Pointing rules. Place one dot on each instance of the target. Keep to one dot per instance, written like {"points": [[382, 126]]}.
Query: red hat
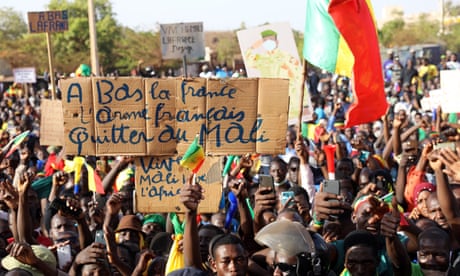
{"points": [[420, 187]]}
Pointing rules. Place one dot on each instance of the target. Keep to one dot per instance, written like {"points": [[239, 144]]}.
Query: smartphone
{"points": [[267, 181], [333, 187], [99, 238], [446, 145], [64, 254], [363, 156], [285, 196]]}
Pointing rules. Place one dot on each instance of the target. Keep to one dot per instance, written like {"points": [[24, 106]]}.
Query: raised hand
{"points": [[9, 194], [25, 180], [191, 195], [22, 252], [246, 161], [452, 163], [239, 188], [328, 204], [390, 221], [301, 149], [265, 199], [114, 204]]}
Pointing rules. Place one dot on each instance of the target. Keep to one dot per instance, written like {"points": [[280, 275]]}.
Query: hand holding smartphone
{"points": [[64, 254], [267, 182]]}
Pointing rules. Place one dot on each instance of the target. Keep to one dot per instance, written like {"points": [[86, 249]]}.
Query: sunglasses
{"points": [[284, 267]]}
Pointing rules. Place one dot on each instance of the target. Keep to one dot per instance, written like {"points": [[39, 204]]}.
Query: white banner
{"points": [[182, 39], [25, 75]]}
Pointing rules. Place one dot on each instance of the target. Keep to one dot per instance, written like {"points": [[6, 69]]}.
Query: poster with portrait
{"points": [[270, 51]]}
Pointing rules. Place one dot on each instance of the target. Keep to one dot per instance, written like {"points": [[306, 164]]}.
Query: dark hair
{"points": [[280, 161], [223, 239], [363, 238], [211, 227], [299, 191], [435, 233], [294, 160]]}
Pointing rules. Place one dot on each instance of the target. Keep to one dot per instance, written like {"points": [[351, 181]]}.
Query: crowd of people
{"points": [[387, 203]]}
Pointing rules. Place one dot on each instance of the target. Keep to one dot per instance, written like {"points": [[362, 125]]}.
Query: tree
{"points": [[12, 25], [389, 30], [72, 46]]}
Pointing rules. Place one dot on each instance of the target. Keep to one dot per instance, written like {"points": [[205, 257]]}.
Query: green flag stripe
{"points": [[321, 37]]}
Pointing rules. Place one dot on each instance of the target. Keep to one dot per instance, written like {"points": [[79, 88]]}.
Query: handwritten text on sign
{"points": [[158, 117], [159, 180], [48, 21], [182, 39]]}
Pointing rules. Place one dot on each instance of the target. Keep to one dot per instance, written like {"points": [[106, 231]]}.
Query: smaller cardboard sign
{"points": [[182, 39], [159, 180], [51, 122], [48, 21], [25, 75]]}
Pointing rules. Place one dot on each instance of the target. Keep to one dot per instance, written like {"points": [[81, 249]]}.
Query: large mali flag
{"points": [[193, 157], [324, 46], [353, 23]]}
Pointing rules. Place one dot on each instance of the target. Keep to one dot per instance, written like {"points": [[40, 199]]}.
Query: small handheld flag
{"points": [[193, 157], [17, 142]]}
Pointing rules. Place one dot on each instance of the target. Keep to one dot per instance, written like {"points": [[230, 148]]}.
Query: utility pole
{"points": [[93, 38]]}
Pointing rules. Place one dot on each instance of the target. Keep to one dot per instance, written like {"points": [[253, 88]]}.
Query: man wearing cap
{"points": [[153, 224], [272, 62], [128, 236]]}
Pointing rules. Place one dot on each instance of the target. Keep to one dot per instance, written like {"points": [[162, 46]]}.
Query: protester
{"points": [[396, 211]]}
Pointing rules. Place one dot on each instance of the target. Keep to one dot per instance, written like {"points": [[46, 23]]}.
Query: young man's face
{"points": [[361, 261], [433, 256], [230, 260]]}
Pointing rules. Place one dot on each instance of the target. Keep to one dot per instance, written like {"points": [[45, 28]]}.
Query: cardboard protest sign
{"points": [[25, 75], [48, 21], [153, 117], [275, 113], [270, 51], [182, 39], [161, 105], [159, 180], [241, 107], [191, 112], [51, 122], [78, 110], [120, 114]]}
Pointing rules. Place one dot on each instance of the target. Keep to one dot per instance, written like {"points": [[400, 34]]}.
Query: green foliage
{"points": [[12, 25], [73, 46], [389, 31]]}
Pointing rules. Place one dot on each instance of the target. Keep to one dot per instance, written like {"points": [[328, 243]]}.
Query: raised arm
{"points": [[445, 196], [24, 221], [110, 178], [395, 249], [306, 175], [190, 196]]}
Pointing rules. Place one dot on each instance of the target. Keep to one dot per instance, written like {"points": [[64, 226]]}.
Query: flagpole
{"points": [[302, 91]]}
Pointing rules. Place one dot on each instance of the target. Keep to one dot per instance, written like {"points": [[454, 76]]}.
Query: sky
{"points": [[217, 14]]}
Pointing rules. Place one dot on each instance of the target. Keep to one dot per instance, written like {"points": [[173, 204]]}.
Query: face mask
{"points": [[269, 45], [377, 133]]}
